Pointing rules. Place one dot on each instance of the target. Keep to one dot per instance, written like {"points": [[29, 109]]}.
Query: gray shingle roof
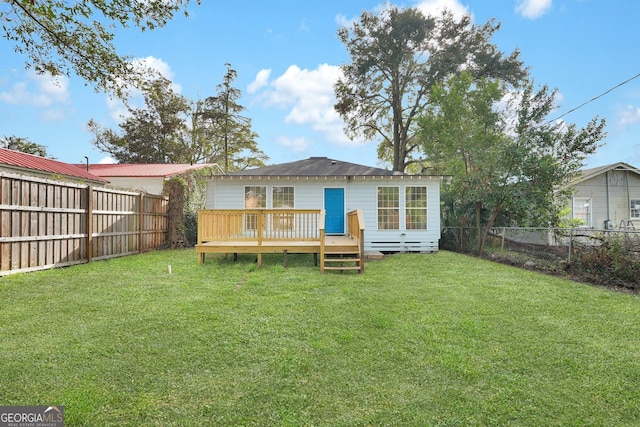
{"points": [[590, 173], [316, 166]]}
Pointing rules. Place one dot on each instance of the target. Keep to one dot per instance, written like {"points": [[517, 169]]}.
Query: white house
{"points": [[401, 212]]}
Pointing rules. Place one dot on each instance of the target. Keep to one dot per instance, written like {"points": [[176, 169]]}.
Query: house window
{"points": [[282, 198], [582, 210], [635, 208], [388, 208], [255, 197], [416, 208]]}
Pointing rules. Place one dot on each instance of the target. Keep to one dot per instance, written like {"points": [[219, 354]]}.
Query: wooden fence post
{"points": [[89, 223], [570, 246], [140, 222]]}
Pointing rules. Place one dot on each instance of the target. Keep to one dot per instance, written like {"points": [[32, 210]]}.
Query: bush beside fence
{"points": [[605, 257], [47, 223]]}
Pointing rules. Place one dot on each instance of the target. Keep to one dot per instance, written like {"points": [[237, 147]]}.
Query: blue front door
{"points": [[334, 207]]}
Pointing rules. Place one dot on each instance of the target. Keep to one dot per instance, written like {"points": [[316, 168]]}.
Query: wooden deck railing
{"points": [[259, 224], [355, 228], [277, 230]]}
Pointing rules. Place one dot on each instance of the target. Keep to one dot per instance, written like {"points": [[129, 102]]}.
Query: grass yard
{"points": [[422, 340]]}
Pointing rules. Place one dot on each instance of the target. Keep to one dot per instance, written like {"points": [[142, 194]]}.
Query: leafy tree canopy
{"points": [[396, 58], [230, 137], [153, 134], [173, 129], [507, 162], [61, 36], [24, 145]]}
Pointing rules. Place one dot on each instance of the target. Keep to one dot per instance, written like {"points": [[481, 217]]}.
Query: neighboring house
{"points": [[607, 197], [149, 178], [17, 162], [401, 212]]}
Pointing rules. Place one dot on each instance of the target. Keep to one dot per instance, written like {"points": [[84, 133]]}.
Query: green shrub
{"points": [[612, 263]]}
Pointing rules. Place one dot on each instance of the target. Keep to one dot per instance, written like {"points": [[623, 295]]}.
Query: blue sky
{"points": [[287, 54]]}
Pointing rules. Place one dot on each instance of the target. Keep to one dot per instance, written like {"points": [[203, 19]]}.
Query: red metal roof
{"points": [[143, 170], [19, 160]]}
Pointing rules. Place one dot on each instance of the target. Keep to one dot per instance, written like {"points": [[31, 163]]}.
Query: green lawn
{"points": [[439, 339]]}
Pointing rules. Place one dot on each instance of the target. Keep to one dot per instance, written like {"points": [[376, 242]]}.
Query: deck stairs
{"points": [[344, 257]]}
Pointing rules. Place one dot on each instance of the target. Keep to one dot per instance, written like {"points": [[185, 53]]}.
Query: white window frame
{"points": [[273, 196], [578, 209], [408, 208], [283, 221], [634, 208], [388, 209], [251, 220]]}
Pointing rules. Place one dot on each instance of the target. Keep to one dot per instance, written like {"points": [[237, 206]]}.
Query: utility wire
{"points": [[593, 99]]}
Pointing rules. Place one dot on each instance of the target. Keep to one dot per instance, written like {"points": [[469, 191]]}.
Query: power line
{"points": [[594, 98]]}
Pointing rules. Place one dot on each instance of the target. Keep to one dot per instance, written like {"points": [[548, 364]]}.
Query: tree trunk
{"points": [[174, 189], [478, 211], [490, 223]]}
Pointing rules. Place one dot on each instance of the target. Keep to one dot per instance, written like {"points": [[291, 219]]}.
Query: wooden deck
{"points": [[263, 231]]}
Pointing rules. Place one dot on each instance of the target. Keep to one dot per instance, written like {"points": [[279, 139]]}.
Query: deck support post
{"points": [[284, 258]]}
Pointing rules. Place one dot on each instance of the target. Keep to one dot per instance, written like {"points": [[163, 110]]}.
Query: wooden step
{"points": [[343, 253], [342, 259], [348, 258], [353, 267]]}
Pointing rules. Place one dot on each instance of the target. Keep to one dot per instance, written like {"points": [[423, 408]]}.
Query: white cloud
{"points": [[343, 21], [629, 116], [55, 88], [117, 109], [155, 65], [297, 145], [107, 161], [533, 9], [436, 7], [53, 114], [262, 79], [20, 95], [48, 91], [304, 25], [309, 97]]}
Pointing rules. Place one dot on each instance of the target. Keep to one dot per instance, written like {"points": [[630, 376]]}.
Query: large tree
{"points": [[507, 162], [396, 57], [233, 144], [60, 36], [24, 145], [152, 134], [172, 129]]}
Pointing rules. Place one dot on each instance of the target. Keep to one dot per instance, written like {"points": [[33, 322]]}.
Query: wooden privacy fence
{"points": [[46, 223]]}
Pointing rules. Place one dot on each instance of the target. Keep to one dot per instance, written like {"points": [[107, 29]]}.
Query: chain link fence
{"points": [[604, 257]]}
